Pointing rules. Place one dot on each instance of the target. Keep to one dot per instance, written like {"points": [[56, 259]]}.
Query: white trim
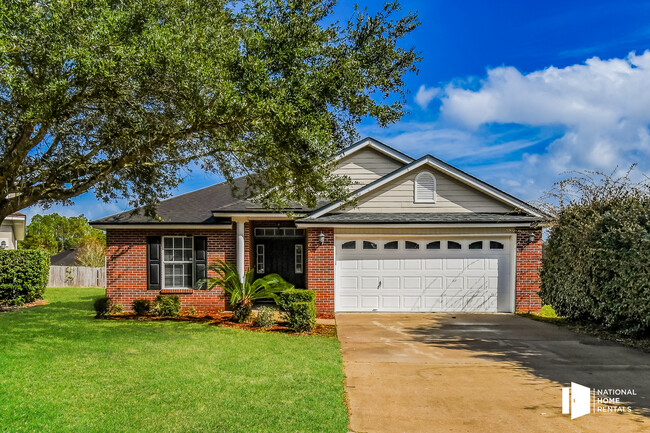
{"points": [[260, 269], [378, 146], [298, 250], [251, 216], [413, 226], [15, 218], [410, 236], [182, 262], [416, 184], [429, 160], [240, 251], [161, 226]]}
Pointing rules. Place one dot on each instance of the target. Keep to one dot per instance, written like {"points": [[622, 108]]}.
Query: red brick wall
{"points": [[126, 266], [320, 269], [529, 263]]}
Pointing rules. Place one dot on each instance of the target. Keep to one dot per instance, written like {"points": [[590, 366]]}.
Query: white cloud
{"points": [[604, 106], [425, 96]]}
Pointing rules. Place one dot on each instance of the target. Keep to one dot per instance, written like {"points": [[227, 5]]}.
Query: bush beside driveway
{"points": [[62, 370]]}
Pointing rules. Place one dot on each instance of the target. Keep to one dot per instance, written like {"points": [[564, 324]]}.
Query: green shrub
{"points": [[265, 317], [597, 265], [288, 297], [102, 306], [302, 316], [241, 312], [548, 311], [23, 275], [167, 305], [116, 308], [191, 311], [141, 307]]}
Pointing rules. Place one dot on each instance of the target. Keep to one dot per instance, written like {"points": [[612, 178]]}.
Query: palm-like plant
{"points": [[242, 293]]}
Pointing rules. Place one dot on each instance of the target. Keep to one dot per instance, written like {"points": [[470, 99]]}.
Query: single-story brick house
{"points": [[424, 236]]}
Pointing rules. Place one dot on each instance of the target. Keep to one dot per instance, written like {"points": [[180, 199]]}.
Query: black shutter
{"points": [[153, 263], [200, 258]]}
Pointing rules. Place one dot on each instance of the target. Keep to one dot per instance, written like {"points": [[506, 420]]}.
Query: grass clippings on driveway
{"points": [[63, 370]]}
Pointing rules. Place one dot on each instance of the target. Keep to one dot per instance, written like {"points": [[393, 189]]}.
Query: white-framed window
{"points": [[298, 258], [259, 263], [178, 260], [424, 189]]}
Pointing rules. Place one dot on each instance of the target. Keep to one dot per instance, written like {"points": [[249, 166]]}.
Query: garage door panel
{"points": [[369, 302], [422, 280], [391, 283], [390, 303], [412, 283]]}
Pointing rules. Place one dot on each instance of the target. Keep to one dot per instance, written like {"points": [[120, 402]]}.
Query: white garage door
{"points": [[417, 275]]}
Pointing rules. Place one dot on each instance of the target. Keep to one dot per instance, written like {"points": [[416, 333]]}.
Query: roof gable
{"points": [[447, 170]]}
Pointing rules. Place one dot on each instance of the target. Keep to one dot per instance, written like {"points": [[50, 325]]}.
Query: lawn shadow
{"points": [[545, 350]]}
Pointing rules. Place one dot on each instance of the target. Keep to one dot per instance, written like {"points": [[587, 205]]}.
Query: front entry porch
{"points": [[279, 250]]}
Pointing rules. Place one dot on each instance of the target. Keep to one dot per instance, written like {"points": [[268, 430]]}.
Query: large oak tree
{"points": [[122, 96]]}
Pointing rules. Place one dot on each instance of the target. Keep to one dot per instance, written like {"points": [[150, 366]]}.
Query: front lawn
{"points": [[63, 370]]}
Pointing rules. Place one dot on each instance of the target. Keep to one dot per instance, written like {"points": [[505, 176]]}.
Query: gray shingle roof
{"points": [[421, 218], [195, 207]]}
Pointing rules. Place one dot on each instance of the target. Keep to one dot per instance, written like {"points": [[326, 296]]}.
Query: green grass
{"points": [[62, 370]]}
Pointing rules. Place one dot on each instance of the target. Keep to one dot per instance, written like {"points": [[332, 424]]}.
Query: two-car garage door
{"points": [[416, 275]]}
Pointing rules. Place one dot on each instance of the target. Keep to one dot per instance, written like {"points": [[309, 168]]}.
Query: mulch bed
{"points": [[4, 307], [225, 319]]}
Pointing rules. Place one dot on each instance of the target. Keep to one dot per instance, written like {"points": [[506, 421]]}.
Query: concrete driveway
{"points": [[481, 373]]}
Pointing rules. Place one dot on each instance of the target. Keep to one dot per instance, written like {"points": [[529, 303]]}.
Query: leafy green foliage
{"points": [[102, 306], [301, 316], [166, 306], [141, 307], [265, 317], [287, 297], [23, 275], [242, 293], [548, 311], [91, 252], [116, 308], [57, 233], [597, 265], [122, 97]]}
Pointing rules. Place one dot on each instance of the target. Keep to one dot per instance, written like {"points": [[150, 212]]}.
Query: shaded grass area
{"points": [[593, 329], [63, 370]]}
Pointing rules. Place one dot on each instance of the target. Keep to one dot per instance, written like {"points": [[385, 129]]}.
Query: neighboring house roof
{"points": [[65, 258], [216, 204], [421, 218]]}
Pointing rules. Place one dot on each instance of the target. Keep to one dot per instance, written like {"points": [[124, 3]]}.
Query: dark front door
{"points": [[283, 256]]}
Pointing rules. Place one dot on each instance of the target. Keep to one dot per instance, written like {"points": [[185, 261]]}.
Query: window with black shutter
{"points": [[153, 263]]}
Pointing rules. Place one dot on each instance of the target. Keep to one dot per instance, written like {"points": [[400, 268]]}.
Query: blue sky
{"points": [[514, 92]]}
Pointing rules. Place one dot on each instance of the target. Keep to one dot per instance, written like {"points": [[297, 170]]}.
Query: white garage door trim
{"points": [[504, 270]]}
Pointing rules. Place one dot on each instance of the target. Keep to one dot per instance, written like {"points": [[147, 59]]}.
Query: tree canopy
{"points": [[57, 233], [122, 97]]}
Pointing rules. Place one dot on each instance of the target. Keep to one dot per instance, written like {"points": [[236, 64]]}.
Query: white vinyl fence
{"points": [[77, 276]]}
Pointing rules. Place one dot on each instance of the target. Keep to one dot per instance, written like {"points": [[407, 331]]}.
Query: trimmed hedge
{"points": [[141, 307], [23, 275], [289, 296], [597, 265], [302, 316]]}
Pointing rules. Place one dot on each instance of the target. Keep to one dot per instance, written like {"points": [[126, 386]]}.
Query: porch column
{"points": [[240, 248]]}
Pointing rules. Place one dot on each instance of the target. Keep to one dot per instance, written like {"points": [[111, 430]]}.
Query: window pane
{"points": [[435, 245], [453, 245], [168, 255], [411, 245], [178, 242], [494, 245], [169, 242], [350, 245], [187, 255], [188, 243], [178, 255], [390, 245], [367, 245], [478, 245]]}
